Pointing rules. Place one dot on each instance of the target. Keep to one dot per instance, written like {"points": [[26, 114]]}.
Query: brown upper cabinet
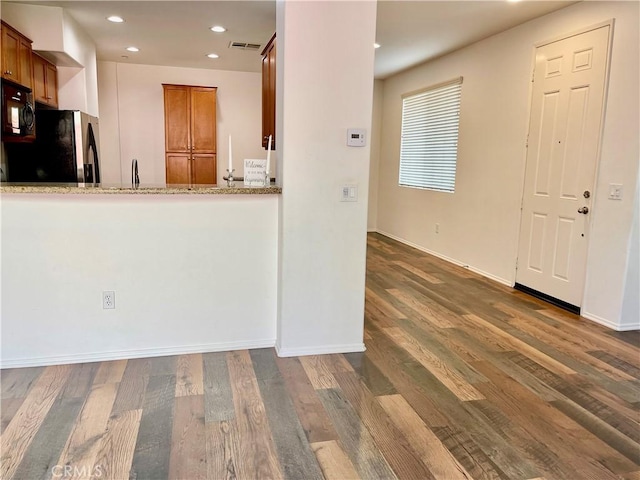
{"points": [[269, 93], [45, 81], [16, 56], [190, 134]]}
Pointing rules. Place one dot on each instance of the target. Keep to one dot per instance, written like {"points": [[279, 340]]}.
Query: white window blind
{"points": [[429, 145]]}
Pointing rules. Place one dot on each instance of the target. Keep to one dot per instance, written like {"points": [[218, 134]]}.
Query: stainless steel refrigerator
{"points": [[65, 150]]}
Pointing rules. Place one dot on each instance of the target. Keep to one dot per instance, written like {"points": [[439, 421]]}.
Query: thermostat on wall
{"points": [[355, 137]]}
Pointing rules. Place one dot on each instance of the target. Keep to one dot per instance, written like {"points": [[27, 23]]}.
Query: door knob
{"points": [[583, 210]]}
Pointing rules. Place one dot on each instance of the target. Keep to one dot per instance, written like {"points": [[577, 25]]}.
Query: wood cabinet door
{"points": [[45, 81], [177, 118], [269, 94], [178, 169], [25, 62], [52, 84], [10, 52], [39, 79], [203, 119], [204, 169]]}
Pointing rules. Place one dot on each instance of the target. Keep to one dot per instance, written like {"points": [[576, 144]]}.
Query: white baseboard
{"points": [[491, 276], [609, 324], [140, 353], [320, 350]]}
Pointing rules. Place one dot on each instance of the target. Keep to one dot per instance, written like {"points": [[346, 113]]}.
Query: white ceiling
{"points": [[412, 32], [176, 33]]}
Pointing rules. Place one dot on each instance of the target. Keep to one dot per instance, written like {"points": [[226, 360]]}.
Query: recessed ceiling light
{"points": [[213, 55], [218, 29], [115, 19], [376, 45], [133, 49]]}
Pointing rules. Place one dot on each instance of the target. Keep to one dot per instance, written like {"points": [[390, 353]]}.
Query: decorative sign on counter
{"points": [[255, 172]]}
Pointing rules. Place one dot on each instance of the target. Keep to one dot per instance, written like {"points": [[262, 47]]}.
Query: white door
{"points": [[564, 139]]}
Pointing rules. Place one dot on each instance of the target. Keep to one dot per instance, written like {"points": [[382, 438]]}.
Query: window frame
{"points": [[435, 171]]}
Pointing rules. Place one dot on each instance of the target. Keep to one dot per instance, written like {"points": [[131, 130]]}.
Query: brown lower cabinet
{"points": [[190, 134], [191, 168]]}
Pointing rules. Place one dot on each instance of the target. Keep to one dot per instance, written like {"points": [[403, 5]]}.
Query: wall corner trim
{"points": [[320, 350], [471, 268], [609, 324], [129, 354]]}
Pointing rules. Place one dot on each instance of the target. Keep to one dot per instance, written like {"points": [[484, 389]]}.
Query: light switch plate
{"points": [[349, 193]]}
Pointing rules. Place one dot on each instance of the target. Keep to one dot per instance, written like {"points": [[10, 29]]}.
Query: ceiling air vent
{"points": [[254, 47]]}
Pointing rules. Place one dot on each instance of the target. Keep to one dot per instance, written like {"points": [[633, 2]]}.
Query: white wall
{"points": [[612, 220], [132, 106], [322, 240], [41, 24], [111, 171], [78, 87], [630, 318], [191, 273], [375, 140], [479, 224], [54, 32]]}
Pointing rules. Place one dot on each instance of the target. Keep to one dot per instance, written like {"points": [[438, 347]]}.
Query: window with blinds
{"points": [[429, 145]]}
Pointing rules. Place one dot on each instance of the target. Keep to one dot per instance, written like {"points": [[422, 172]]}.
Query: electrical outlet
{"points": [[108, 300], [615, 191], [437, 228]]}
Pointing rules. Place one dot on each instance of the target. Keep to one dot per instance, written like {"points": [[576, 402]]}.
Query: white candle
{"points": [[230, 156], [269, 160]]}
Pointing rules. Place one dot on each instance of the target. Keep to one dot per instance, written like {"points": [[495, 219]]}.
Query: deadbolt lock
{"points": [[587, 194]]}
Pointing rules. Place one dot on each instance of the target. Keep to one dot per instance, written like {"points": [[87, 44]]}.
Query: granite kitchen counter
{"points": [[71, 189]]}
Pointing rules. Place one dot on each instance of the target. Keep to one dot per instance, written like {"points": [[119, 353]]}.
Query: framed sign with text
{"points": [[255, 171]]}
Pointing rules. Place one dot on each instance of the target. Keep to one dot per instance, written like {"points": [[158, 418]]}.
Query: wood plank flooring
{"points": [[462, 378]]}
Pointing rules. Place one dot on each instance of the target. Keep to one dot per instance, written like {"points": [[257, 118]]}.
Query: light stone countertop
{"points": [[239, 189]]}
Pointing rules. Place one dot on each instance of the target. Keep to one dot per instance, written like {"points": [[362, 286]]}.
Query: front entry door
{"points": [[563, 145]]}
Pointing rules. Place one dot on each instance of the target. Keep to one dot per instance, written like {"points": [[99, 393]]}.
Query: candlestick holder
{"points": [[229, 177]]}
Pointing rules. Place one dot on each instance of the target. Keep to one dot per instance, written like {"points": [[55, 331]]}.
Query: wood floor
{"points": [[462, 378]]}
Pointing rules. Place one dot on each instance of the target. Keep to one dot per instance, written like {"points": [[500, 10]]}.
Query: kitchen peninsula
{"points": [[238, 189], [193, 270], [201, 272]]}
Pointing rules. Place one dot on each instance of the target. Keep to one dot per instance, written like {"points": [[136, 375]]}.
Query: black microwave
{"points": [[18, 118]]}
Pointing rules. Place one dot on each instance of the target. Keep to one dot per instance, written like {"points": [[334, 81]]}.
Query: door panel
{"points": [[571, 162], [546, 142], [203, 119], [561, 261], [204, 169], [564, 136], [178, 169], [24, 59], [52, 84], [39, 75], [536, 245], [176, 107], [10, 54]]}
